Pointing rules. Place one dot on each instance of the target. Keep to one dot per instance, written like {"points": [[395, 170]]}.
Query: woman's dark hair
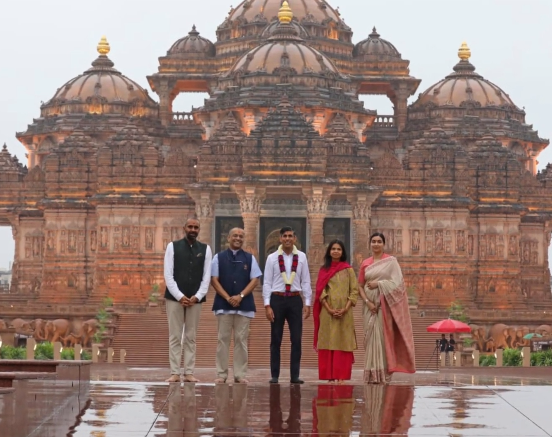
{"points": [[377, 234], [328, 256]]}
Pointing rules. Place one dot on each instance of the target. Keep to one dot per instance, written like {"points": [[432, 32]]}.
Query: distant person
{"points": [[286, 277], [235, 274], [388, 338], [187, 271], [443, 343], [451, 344], [334, 325]]}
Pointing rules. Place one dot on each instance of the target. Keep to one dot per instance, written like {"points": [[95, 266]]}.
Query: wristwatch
{"points": [[241, 295]]}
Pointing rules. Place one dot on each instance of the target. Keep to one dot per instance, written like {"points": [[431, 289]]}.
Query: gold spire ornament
{"points": [[464, 52], [103, 47], [285, 14]]}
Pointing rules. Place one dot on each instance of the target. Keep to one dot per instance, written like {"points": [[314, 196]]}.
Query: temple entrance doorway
{"points": [[7, 251], [270, 235], [223, 226]]}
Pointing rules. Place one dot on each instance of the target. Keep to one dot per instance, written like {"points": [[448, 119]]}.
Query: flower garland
{"points": [[294, 264]]}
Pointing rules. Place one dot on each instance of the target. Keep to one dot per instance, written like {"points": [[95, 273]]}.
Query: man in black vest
{"points": [[235, 275], [187, 275]]}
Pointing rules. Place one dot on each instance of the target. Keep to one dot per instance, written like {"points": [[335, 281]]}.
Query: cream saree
{"points": [[388, 339]]}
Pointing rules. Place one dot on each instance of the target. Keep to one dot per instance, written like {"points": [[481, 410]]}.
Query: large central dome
{"points": [[317, 9]]}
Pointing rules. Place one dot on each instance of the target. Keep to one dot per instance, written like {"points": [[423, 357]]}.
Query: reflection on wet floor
{"points": [[441, 407]]}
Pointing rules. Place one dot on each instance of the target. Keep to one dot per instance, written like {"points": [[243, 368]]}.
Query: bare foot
{"points": [[220, 381], [173, 378], [241, 381], [340, 382], [190, 378], [331, 381]]}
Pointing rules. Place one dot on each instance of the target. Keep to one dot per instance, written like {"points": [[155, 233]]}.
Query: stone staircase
{"points": [[145, 338]]}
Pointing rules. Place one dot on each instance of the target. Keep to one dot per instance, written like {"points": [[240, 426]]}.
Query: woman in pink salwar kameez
{"points": [[388, 338]]}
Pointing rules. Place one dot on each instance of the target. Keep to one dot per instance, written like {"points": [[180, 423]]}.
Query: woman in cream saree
{"points": [[388, 339]]}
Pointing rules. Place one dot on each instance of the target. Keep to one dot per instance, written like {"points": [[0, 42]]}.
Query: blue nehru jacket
{"points": [[234, 276]]}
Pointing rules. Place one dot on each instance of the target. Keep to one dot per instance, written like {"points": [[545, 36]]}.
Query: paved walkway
{"points": [[136, 402]]}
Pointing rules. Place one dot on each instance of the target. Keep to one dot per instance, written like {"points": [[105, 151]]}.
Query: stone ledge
{"points": [[502, 372]]}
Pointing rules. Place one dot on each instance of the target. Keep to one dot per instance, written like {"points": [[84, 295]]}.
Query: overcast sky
{"points": [[46, 43]]}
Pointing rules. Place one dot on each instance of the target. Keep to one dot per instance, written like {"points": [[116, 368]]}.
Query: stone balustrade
{"points": [[182, 118], [382, 121]]}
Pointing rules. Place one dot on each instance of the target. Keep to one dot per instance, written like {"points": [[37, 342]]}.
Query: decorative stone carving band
{"points": [[361, 211], [250, 204], [317, 204]]}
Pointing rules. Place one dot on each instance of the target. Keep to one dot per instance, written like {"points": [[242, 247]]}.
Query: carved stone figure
{"points": [[3, 325], [21, 326], [479, 336], [415, 241], [461, 241], [104, 237], [499, 334], [126, 237], [38, 327], [439, 240], [93, 240], [50, 241], [88, 331], [57, 329], [544, 330], [149, 239], [470, 244], [72, 242], [71, 340]]}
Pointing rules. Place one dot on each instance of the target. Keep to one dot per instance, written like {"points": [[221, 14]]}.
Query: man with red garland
{"points": [[286, 278]]}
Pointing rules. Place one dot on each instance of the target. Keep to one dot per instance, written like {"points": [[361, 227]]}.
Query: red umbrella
{"points": [[448, 326]]}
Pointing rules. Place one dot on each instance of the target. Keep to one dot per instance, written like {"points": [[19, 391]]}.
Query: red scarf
{"points": [[324, 276]]}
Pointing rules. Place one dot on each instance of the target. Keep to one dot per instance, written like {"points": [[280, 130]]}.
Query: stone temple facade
{"points": [[283, 138]]}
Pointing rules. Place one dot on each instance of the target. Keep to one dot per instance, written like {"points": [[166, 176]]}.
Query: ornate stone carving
{"points": [[204, 210], [361, 211], [148, 238], [317, 204], [250, 204], [93, 240]]}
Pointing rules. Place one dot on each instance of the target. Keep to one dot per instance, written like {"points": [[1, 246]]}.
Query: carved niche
{"points": [[104, 238], [460, 241], [149, 234], [415, 239], [93, 240]]}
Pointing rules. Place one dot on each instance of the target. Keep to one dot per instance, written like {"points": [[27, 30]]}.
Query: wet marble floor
{"points": [[135, 402]]}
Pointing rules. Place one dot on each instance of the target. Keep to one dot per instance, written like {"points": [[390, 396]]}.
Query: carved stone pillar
{"points": [[205, 210], [165, 102], [317, 207], [251, 199], [401, 106], [14, 286], [362, 211]]}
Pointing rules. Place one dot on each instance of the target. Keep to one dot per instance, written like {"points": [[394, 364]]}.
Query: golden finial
{"points": [[285, 14], [103, 46], [464, 52]]}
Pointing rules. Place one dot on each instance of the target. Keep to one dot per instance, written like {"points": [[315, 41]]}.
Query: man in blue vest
{"points": [[187, 270], [235, 274]]}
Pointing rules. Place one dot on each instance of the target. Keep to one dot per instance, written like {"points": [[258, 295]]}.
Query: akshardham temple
{"points": [[283, 139]]}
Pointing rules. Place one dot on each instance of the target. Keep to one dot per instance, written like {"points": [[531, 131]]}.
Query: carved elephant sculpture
{"points": [[499, 334], [89, 329], [490, 345], [21, 326], [544, 330], [57, 329], [510, 336], [3, 325], [519, 341], [479, 335], [71, 340], [38, 326]]}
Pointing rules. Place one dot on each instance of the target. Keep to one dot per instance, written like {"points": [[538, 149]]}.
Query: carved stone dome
{"points": [[313, 10], [284, 50], [376, 48], [465, 87], [192, 45], [272, 28], [101, 89]]}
